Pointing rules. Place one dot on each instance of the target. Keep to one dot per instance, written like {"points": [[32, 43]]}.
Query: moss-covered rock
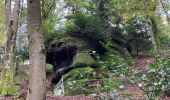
{"points": [[76, 82], [67, 52], [77, 87], [80, 73], [49, 68], [83, 58], [81, 43]]}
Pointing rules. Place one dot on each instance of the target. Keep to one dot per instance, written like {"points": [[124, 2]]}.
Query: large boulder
{"points": [[66, 53]]}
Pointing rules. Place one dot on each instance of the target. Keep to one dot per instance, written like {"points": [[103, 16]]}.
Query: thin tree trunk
{"points": [[7, 47], [151, 29], [8, 31], [164, 9], [152, 35], [15, 19], [11, 30], [37, 79]]}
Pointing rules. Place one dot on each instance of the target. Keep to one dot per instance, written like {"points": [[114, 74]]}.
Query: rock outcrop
{"points": [[66, 53]]}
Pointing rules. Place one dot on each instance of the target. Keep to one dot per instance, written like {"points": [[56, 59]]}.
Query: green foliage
{"points": [[48, 28], [23, 53], [84, 23], [7, 86], [136, 34], [114, 62], [75, 80], [79, 3], [10, 90], [75, 87], [110, 84], [156, 80], [162, 32], [80, 73], [83, 58], [79, 87], [73, 40], [61, 38], [91, 18], [52, 18]]}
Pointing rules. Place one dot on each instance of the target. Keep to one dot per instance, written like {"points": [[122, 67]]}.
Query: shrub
{"points": [[79, 87], [10, 90], [90, 24], [156, 80], [114, 62]]}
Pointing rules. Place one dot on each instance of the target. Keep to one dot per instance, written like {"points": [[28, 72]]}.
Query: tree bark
{"points": [[11, 30], [8, 32], [151, 28], [37, 79]]}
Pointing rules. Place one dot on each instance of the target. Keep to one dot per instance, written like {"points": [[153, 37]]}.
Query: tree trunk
{"points": [[164, 9], [37, 79], [151, 28], [8, 32], [152, 35], [11, 30]]}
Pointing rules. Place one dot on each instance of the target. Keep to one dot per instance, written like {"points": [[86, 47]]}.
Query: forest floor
{"points": [[130, 91], [133, 91]]}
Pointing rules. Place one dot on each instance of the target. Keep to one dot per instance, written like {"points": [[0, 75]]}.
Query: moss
{"points": [[83, 58], [77, 87], [75, 82], [78, 41], [80, 73], [61, 38], [49, 68], [108, 85], [10, 90], [111, 84]]}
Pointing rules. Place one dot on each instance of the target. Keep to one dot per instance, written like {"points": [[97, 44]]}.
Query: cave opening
{"points": [[61, 57]]}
